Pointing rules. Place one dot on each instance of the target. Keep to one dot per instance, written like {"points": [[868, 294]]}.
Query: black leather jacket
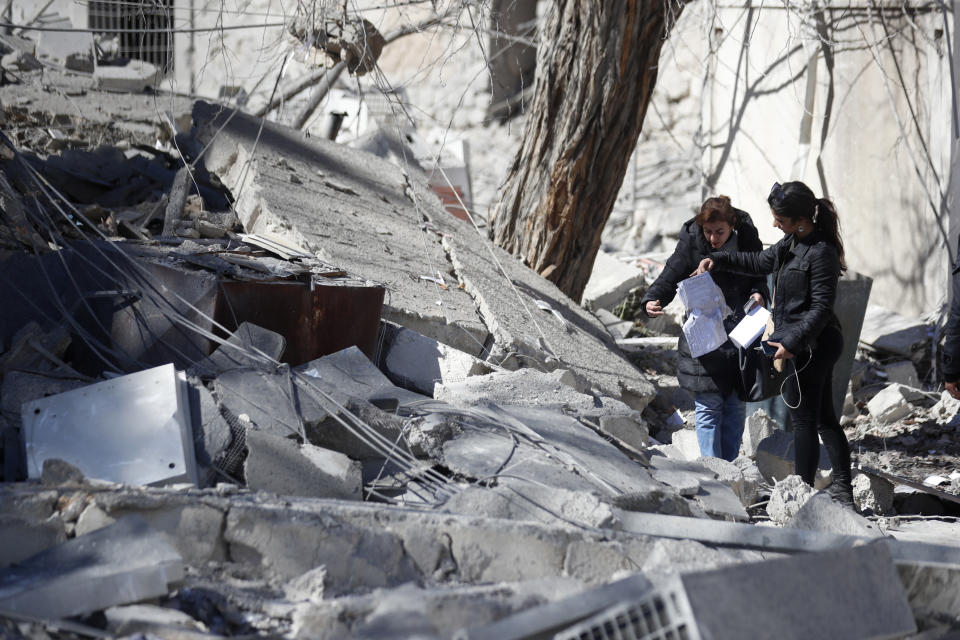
{"points": [[951, 343], [805, 286], [719, 369]]}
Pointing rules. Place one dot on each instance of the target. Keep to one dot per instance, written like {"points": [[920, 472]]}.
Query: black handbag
{"points": [[759, 379]]}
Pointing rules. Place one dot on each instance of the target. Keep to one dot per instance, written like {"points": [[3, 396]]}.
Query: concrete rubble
{"points": [[318, 429]]}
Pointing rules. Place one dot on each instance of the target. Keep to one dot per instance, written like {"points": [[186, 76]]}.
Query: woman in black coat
{"points": [[807, 263], [711, 378]]}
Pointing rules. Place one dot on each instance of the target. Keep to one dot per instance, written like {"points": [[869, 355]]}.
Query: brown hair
{"points": [[716, 209]]}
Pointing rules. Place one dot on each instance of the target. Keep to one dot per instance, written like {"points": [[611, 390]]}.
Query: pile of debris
{"points": [[359, 418]]}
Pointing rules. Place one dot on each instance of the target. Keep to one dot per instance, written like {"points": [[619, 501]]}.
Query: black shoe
{"points": [[841, 492]]}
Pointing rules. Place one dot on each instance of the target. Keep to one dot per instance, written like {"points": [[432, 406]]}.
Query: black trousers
{"points": [[814, 413]]}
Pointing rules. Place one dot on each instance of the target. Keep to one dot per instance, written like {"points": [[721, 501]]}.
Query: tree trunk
{"points": [[595, 75]]}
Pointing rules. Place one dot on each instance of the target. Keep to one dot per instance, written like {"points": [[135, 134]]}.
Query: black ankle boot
{"points": [[841, 491]]}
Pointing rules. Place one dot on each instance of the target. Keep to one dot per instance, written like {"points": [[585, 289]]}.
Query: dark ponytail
{"points": [[827, 222], [795, 200]]}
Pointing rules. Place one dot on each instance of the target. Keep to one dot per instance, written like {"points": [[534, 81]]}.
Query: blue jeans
{"points": [[719, 424]]}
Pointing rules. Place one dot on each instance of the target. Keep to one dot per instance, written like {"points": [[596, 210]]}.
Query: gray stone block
{"points": [[786, 498], [902, 372], [123, 563], [416, 362], [194, 527], [610, 281], [821, 513], [893, 403], [751, 480], [873, 493], [678, 556], [279, 465], [350, 374], [847, 593], [540, 622], [249, 346], [272, 400], [521, 500], [356, 557], [21, 538]]}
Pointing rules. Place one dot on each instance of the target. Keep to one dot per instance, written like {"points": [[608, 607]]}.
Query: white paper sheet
{"points": [[750, 328], [705, 306]]}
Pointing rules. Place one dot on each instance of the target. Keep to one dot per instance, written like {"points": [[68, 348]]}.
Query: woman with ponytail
{"points": [[807, 263]]}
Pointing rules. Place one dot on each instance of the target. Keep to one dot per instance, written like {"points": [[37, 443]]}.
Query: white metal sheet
{"points": [[134, 429]]}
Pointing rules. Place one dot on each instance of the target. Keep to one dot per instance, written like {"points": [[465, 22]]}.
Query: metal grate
{"points": [[144, 28], [663, 615]]}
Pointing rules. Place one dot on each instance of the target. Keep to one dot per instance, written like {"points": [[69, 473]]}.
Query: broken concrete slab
{"points": [[546, 619], [373, 186], [515, 499], [134, 429], [416, 362], [618, 328], [822, 513], [193, 524], [775, 459], [678, 556], [356, 558], [550, 391], [21, 537], [893, 403], [570, 443], [350, 374], [850, 593], [271, 400], [752, 479], [123, 563], [731, 475], [422, 236], [133, 77], [281, 466], [748, 536], [249, 346], [610, 281]]}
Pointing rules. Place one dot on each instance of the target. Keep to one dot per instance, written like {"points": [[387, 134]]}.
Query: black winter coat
{"points": [[804, 290], [718, 370], [951, 343]]}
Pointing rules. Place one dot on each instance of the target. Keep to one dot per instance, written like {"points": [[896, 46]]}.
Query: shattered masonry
{"points": [[372, 422]]}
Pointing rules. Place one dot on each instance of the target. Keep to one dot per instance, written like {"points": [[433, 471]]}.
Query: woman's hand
{"points": [[705, 265], [654, 309], [782, 353], [758, 301]]}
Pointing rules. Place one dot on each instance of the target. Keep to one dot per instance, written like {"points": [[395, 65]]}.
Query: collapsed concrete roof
{"points": [[371, 217]]}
